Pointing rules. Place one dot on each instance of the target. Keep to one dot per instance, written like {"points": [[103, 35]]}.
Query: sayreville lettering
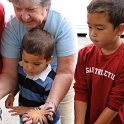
{"points": [[100, 72]]}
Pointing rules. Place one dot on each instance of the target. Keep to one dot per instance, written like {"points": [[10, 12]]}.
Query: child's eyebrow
{"points": [[95, 24], [99, 25]]}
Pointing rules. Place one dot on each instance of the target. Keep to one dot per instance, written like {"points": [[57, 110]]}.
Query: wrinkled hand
{"points": [[40, 115], [51, 107], [18, 110]]}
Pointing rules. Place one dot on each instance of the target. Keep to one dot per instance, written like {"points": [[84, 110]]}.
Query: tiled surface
{"points": [[6, 117]]}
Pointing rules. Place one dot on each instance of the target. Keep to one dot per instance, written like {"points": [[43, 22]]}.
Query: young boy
{"points": [[99, 74], [35, 74]]}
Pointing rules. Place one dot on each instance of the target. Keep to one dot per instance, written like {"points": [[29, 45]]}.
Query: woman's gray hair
{"points": [[48, 2]]}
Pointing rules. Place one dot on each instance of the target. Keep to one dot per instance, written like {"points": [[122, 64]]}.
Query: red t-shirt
{"points": [[2, 19], [100, 81], [2, 25]]}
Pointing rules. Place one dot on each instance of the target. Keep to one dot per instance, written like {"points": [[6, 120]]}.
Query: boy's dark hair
{"points": [[114, 9], [38, 42]]}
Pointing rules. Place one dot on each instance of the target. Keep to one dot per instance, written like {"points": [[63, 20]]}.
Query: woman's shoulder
{"points": [[55, 11], [15, 25], [56, 21], [54, 14], [12, 20]]}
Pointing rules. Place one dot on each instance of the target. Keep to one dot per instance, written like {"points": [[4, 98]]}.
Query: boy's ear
{"points": [[120, 29], [49, 60]]}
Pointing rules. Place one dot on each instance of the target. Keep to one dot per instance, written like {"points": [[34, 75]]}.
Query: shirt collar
{"points": [[41, 76]]}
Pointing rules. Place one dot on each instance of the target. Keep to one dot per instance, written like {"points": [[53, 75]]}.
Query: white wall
{"points": [[76, 10], [8, 8]]}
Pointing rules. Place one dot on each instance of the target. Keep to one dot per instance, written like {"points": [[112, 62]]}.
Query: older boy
{"points": [[99, 75]]}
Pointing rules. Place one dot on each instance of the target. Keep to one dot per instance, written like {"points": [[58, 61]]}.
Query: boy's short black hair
{"points": [[38, 42], [114, 9]]}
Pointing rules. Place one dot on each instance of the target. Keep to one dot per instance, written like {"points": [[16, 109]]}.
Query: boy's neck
{"points": [[112, 48]]}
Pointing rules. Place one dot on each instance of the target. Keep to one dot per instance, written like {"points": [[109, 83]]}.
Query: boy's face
{"points": [[101, 31], [33, 65]]}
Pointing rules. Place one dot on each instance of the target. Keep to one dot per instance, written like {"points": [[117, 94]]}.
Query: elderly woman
{"points": [[38, 14]]}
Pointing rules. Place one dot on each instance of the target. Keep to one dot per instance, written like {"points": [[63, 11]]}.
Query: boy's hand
{"points": [[9, 101], [36, 116], [19, 110], [40, 115]]}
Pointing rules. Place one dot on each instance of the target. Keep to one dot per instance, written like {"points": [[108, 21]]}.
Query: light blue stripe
{"points": [[30, 95]]}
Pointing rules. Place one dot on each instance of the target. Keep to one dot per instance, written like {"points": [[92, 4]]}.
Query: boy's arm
{"points": [[81, 90], [80, 111], [106, 116], [20, 110]]}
